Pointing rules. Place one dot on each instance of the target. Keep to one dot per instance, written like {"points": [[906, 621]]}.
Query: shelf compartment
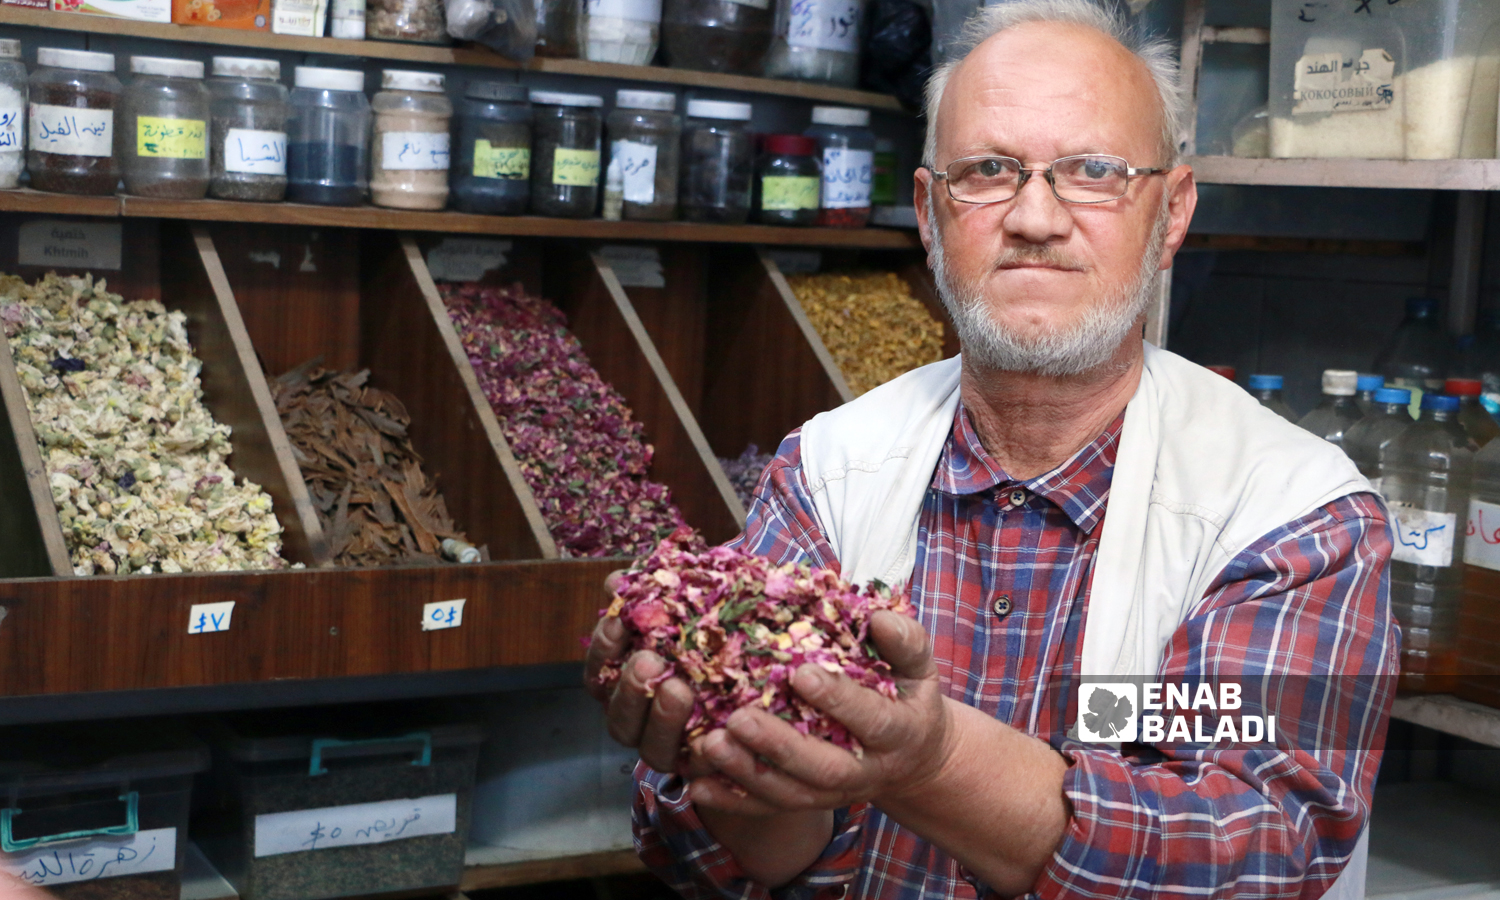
{"points": [[1429, 174]]}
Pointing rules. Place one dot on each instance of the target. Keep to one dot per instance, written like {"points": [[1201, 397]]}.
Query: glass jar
{"points": [[492, 172], [621, 31], [12, 113], [409, 151], [247, 129], [718, 162], [162, 141], [846, 147], [817, 40], [717, 35], [565, 154], [559, 28], [883, 179], [644, 134], [788, 181], [71, 122], [327, 133], [417, 21]]}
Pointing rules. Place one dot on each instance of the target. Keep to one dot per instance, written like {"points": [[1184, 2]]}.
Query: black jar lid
{"points": [[496, 91]]}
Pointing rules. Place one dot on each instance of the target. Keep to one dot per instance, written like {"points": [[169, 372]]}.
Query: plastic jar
{"points": [[409, 152], [565, 154], [417, 21], [71, 122], [327, 133], [788, 181], [846, 147], [817, 40], [718, 162], [717, 35], [559, 28], [247, 146], [162, 141], [492, 171], [883, 179], [12, 113], [621, 31], [644, 134]]}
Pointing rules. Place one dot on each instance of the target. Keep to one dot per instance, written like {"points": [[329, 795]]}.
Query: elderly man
{"points": [[1065, 502]]}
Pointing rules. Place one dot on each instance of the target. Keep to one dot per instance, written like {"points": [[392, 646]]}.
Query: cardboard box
{"points": [[247, 15], [140, 10]]}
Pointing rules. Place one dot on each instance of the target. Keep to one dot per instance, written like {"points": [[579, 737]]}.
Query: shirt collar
{"points": [[1079, 487]]}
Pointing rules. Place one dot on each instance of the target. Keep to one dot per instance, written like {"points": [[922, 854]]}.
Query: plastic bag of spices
{"points": [[507, 27]]}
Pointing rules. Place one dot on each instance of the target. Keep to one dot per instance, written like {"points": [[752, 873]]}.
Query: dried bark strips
{"points": [[137, 463], [871, 324], [582, 453], [375, 503]]}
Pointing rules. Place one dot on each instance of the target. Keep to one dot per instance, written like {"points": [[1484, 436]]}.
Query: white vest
{"points": [[1202, 471]]}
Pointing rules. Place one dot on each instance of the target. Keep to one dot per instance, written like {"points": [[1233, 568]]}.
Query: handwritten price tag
{"points": [[1423, 537], [407, 151], [206, 617], [442, 614], [136, 854], [1482, 543], [575, 168], [824, 25], [72, 132], [847, 175], [359, 823], [501, 162], [256, 152], [12, 137]]}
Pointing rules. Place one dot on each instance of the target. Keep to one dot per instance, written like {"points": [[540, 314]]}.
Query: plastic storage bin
{"points": [[644, 137], [71, 122], [162, 142], [718, 162], [621, 31], [248, 145], [492, 169], [410, 149], [1385, 81], [307, 806], [328, 135], [566, 138], [97, 812]]}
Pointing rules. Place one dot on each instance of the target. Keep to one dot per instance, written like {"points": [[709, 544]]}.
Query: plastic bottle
{"points": [[1416, 356], [1226, 371], [1481, 427], [1364, 391], [1481, 600], [1479, 357], [1368, 440], [1337, 411], [1267, 389], [1425, 478]]}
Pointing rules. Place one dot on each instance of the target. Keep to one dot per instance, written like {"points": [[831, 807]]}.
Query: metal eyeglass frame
{"points": [[1046, 171]]}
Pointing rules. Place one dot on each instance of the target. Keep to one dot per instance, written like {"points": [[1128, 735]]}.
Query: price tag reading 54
{"points": [[442, 614]]}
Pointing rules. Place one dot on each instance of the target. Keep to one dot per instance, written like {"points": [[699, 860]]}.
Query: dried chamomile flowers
{"points": [[871, 324]]}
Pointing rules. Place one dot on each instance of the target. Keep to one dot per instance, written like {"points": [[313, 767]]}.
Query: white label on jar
{"points": [[70, 245], [408, 150], [1482, 537], [154, 850], [347, 20], [256, 152], [357, 823], [824, 25], [11, 137], [69, 131], [846, 177], [639, 10], [299, 17], [637, 169], [1423, 537], [1327, 82]]}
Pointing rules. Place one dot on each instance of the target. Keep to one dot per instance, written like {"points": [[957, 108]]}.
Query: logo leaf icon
{"points": [[1108, 715]]}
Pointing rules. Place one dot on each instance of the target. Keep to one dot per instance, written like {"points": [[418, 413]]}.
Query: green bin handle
{"points": [[132, 824], [316, 767]]}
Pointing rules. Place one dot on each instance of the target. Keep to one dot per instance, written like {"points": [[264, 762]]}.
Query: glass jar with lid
{"points": [[817, 40], [621, 31], [327, 133], [492, 167], [846, 148], [644, 137], [417, 21], [559, 28], [162, 141], [566, 132], [788, 181], [12, 113], [247, 129], [410, 149], [71, 128], [717, 35], [718, 162]]}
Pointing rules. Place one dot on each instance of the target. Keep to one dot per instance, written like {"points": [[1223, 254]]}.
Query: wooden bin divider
{"points": [[45, 552]]}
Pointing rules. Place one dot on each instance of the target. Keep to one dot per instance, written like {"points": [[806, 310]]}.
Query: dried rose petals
{"points": [[736, 627], [744, 472]]}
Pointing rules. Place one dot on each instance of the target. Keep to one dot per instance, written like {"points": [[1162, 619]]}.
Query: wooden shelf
{"points": [[588, 865], [443, 56], [1426, 174], [1451, 715]]}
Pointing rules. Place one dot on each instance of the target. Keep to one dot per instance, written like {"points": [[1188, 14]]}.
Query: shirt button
{"points": [[1017, 498], [1002, 606]]}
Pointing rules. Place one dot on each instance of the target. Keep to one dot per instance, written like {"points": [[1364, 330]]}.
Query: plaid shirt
{"points": [[1171, 820]]}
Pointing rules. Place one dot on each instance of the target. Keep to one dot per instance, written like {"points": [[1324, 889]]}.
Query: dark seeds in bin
{"points": [[151, 886]]}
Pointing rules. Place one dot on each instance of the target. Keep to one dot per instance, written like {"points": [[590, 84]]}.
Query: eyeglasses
{"points": [[1074, 179]]}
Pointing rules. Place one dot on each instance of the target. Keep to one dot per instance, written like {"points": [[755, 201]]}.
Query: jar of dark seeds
{"points": [[718, 160], [248, 146], [162, 141], [492, 163], [565, 154], [71, 132]]}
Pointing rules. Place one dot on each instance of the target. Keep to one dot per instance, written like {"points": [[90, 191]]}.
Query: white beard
{"points": [[1074, 349]]}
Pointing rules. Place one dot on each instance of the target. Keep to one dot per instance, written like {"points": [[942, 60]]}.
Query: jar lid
{"points": [[841, 115], [499, 91], [1340, 382], [719, 109], [403, 80], [10, 48], [660, 101], [87, 60], [558, 98], [329, 79], [790, 145], [166, 66], [246, 67]]}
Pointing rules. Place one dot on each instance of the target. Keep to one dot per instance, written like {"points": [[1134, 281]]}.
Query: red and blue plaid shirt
{"points": [[1001, 583]]}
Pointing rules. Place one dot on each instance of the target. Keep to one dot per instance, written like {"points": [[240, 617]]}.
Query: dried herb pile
{"points": [[744, 471], [375, 503], [136, 461], [736, 627], [871, 324], [583, 454]]}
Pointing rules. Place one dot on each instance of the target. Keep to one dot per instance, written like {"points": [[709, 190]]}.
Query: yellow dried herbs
{"points": [[871, 324]]}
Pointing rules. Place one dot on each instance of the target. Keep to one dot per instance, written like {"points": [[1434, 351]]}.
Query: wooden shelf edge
{"points": [[537, 871], [1450, 715], [1415, 174]]}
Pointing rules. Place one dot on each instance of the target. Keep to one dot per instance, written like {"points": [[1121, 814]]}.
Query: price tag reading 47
{"points": [[442, 614]]}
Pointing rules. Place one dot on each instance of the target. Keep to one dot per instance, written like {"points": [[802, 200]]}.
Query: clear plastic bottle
{"points": [[1267, 389], [1416, 356], [1425, 479], [12, 113], [817, 40], [645, 138], [1368, 440], [1480, 358], [1364, 391], [847, 148], [1481, 600], [1337, 411], [328, 137], [1471, 415], [621, 31], [409, 151]]}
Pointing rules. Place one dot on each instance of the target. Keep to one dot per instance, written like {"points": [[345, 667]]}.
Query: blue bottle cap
{"points": [[1265, 382], [1439, 402], [1393, 395], [1420, 307], [1369, 383]]}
